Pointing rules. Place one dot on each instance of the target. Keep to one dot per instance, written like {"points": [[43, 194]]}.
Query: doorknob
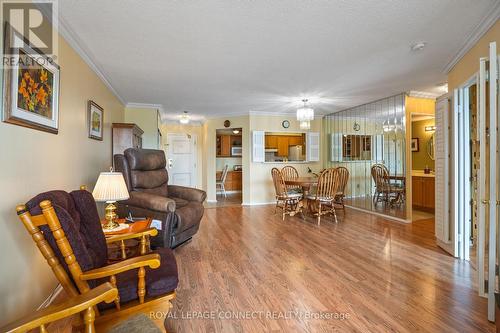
{"points": [[170, 163]]}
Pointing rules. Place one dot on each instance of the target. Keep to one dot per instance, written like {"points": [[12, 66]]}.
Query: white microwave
{"points": [[236, 151]]}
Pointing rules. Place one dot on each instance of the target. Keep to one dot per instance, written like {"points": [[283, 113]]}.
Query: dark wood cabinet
{"points": [[225, 142], [234, 180], [125, 135], [423, 193]]}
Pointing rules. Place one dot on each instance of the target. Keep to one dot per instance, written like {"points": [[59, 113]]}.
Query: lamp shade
{"points": [[110, 187]]}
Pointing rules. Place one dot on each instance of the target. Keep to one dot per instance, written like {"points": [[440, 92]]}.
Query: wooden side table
{"points": [[135, 227]]}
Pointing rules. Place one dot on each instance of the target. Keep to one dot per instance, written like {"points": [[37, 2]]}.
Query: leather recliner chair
{"points": [[179, 208]]}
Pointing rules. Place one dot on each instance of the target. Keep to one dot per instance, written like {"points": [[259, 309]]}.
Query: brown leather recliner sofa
{"points": [[179, 208]]}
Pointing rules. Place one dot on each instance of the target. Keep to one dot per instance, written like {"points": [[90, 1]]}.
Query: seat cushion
{"points": [[159, 281], [322, 199]]}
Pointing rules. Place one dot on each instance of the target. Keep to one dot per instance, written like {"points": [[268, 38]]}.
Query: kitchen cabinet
{"points": [[295, 141], [223, 145], [234, 180], [271, 141], [423, 193], [282, 146]]}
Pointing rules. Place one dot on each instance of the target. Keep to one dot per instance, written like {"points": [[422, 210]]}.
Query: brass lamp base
{"points": [[110, 217]]}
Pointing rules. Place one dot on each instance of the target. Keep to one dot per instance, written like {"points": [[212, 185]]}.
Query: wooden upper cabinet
{"points": [[271, 141], [223, 145], [282, 145], [295, 140]]}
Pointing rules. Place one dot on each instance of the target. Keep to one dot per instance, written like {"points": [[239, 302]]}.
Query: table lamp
{"points": [[110, 188]]}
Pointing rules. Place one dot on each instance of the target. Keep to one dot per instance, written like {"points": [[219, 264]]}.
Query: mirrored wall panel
{"points": [[370, 141]]}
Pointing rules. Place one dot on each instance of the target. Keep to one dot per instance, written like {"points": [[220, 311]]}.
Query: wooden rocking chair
{"points": [[67, 231], [82, 303]]}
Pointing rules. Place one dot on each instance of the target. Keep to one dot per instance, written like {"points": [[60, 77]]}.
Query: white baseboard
{"points": [[258, 203], [379, 214]]}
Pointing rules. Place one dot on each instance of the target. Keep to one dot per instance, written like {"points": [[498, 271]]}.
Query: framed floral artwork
{"points": [[31, 87], [415, 146], [95, 116]]}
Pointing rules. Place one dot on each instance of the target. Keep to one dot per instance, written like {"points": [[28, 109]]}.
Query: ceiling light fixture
{"points": [[305, 113], [305, 125], [185, 118], [236, 131], [419, 46]]}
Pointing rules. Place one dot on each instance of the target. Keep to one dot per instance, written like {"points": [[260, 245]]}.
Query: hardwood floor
{"points": [[384, 276]]}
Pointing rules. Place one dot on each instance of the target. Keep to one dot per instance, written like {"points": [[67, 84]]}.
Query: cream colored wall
{"points": [[197, 130], [261, 186], [147, 120], [469, 64], [32, 162]]}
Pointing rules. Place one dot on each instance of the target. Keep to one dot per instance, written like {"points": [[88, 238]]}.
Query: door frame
{"points": [[194, 154], [462, 195]]}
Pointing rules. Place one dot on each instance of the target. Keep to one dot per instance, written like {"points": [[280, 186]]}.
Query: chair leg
{"points": [[224, 190], [319, 213], [335, 214], [284, 211]]}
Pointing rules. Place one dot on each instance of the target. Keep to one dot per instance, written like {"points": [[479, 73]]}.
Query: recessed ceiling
{"points": [[232, 57]]}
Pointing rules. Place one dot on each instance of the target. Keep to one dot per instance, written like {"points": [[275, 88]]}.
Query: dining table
{"points": [[305, 182]]}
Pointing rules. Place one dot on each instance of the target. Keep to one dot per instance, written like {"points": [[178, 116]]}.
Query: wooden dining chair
{"points": [[289, 173], [384, 190], [221, 182], [288, 202], [343, 179], [322, 202]]}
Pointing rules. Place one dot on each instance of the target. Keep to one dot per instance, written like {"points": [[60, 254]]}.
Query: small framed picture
{"points": [[95, 120], [414, 145]]}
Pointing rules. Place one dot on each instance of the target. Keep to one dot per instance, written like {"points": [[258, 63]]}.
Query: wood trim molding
{"points": [[486, 23], [83, 51]]}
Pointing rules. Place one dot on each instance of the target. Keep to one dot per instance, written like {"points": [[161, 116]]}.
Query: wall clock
{"points": [[227, 123], [356, 127], [285, 124]]}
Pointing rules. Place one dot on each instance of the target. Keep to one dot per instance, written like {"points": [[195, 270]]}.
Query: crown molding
{"points": [[144, 106], [192, 123], [71, 38], [423, 94], [481, 28]]}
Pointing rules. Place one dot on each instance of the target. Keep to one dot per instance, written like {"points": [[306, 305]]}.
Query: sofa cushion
{"points": [[159, 281]]}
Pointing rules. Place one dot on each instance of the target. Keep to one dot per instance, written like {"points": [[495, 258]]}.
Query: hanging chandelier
{"points": [[305, 113], [305, 125]]}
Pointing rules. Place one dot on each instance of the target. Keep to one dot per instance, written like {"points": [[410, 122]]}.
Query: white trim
{"points": [[423, 94], [78, 46], [195, 123], [133, 105], [53, 295], [258, 203], [479, 30]]}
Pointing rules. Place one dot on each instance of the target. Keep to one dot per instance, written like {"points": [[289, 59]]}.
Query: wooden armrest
{"points": [[152, 260], [103, 293], [120, 237]]}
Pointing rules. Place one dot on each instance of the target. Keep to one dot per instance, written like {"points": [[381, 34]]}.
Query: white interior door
{"points": [[488, 176], [181, 159]]}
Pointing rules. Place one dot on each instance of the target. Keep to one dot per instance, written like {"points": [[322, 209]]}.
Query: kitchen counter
{"points": [[420, 173]]}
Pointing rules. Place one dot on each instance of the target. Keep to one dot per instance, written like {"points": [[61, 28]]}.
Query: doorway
{"points": [[181, 159], [229, 167], [422, 166]]}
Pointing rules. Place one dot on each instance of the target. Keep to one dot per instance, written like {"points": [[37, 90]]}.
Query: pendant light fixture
{"points": [[185, 118], [305, 113], [305, 125]]}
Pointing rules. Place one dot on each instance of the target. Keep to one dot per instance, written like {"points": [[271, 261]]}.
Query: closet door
{"points": [[442, 215]]}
